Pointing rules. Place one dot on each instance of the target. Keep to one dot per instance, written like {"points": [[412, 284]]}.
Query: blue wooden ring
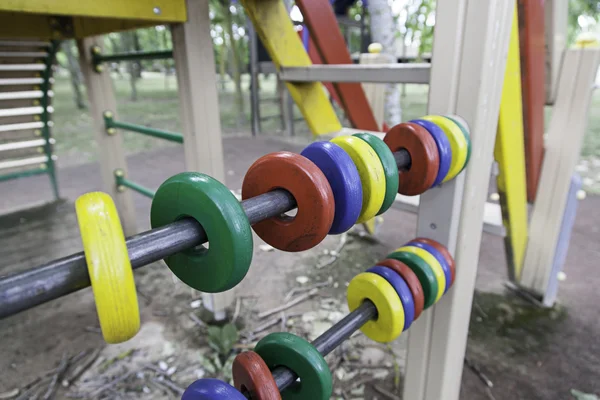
{"points": [[443, 146], [438, 256], [401, 288], [211, 389], [343, 177]]}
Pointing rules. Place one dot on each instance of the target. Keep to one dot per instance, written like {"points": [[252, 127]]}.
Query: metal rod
{"points": [[57, 278], [122, 181], [134, 56], [157, 133]]}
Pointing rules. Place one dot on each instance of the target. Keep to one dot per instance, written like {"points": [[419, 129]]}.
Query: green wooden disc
{"points": [[390, 168], [465, 132], [423, 272], [227, 259], [295, 353]]}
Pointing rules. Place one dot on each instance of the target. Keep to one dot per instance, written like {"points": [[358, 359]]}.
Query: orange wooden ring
{"points": [[411, 280], [305, 181], [425, 161], [251, 374], [445, 253]]}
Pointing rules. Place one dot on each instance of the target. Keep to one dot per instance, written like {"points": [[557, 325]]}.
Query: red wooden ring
{"points": [[305, 181], [445, 253], [251, 374], [411, 280], [425, 161]]}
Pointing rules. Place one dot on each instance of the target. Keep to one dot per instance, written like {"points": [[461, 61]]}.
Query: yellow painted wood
{"points": [[390, 313], [510, 155], [370, 170], [458, 144], [433, 263], [108, 266], [274, 27]]}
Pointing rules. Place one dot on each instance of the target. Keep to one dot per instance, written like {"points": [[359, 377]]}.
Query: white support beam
{"points": [[556, 43], [199, 105], [110, 147], [470, 48], [362, 73]]}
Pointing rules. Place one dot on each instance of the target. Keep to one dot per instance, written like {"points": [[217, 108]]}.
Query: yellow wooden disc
{"points": [[458, 144], [433, 263], [109, 267], [371, 174], [390, 313]]}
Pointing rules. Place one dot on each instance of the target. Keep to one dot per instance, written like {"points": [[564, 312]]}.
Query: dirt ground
{"points": [[526, 353]]}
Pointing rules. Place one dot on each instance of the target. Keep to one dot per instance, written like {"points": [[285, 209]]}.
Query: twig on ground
{"points": [[290, 304], [110, 384], [266, 325], [73, 375], [144, 296], [488, 390], [10, 394], [296, 290], [62, 367], [361, 382], [26, 395], [385, 393], [236, 313], [93, 329], [335, 253], [169, 384], [483, 313], [283, 320], [478, 372], [197, 320]]}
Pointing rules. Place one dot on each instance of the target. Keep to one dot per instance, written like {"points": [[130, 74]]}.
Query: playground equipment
{"points": [[26, 143]]}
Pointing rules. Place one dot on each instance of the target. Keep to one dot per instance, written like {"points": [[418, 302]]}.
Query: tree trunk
{"points": [[75, 73], [128, 45], [383, 31], [235, 63], [223, 62]]}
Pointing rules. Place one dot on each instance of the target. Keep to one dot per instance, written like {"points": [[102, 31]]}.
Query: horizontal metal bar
{"points": [[365, 73], [23, 162], [22, 67], [21, 81], [29, 94], [21, 127], [25, 144], [121, 181], [23, 54], [23, 174], [24, 43], [157, 133], [133, 56], [18, 111]]}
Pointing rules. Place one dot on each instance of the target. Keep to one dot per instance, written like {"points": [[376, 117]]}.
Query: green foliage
{"points": [[578, 8], [222, 339], [419, 24]]}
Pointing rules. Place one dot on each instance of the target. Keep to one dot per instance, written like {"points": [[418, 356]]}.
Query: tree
{"points": [[578, 11], [68, 46], [129, 42]]}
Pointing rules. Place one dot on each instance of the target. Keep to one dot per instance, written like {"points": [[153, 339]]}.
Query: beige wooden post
{"points": [[199, 105], [110, 147]]}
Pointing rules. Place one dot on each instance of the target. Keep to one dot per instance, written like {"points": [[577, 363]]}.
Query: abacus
{"points": [[332, 184]]}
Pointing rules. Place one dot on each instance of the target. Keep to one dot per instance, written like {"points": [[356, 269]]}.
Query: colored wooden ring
{"points": [[425, 161], [411, 280], [464, 127], [433, 264], [342, 175], [423, 272], [211, 389], [457, 143], [443, 147], [295, 353], [390, 168], [401, 288], [109, 267], [251, 374], [314, 198], [390, 314], [439, 257], [198, 196], [371, 174], [444, 251]]}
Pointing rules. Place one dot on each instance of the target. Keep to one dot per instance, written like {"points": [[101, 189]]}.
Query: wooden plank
{"points": [[453, 213], [111, 154], [375, 92], [199, 108], [510, 155], [276, 31], [562, 153], [533, 81], [326, 35], [556, 43]]}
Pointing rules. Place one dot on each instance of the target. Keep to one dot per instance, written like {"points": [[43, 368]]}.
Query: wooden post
{"points": [[199, 105], [556, 43], [111, 155], [470, 46]]}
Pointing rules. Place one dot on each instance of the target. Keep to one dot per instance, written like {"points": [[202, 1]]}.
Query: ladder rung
{"points": [[30, 94], [21, 127], [22, 67], [13, 112]]}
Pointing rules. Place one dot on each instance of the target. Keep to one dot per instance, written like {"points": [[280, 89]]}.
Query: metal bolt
{"points": [[37, 132], [43, 166], [156, 10], [36, 117], [120, 188], [119, 173], [433, 226], [108, 114], [111, 131], [96, 49], [36, 102], [99, 68], [40, 150]]}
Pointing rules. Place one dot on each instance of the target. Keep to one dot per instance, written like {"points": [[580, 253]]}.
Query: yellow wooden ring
{"points": [[109, 267], [390, 313], [370, 170], [433, 263], [458, 144]]}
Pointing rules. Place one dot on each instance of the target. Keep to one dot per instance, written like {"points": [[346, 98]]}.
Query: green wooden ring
{"points": [[467, 138], [227, 260], [423, 272], [295, 353], [390, 168]]}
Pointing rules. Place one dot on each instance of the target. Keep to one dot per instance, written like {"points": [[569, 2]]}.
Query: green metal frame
{"points": [[111, 125], [48, 167], [98, 58], [123, 183]]}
